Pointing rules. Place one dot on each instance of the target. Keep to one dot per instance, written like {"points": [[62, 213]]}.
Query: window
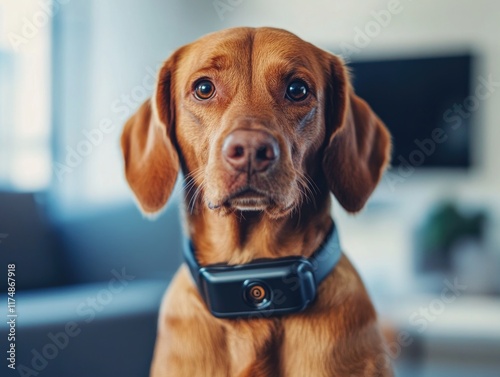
{"points": [[25, 38]]}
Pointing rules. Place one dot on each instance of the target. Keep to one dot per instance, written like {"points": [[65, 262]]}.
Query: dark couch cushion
{"points": [[29, 241]]}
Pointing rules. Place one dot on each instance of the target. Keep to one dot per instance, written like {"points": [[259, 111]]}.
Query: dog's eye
{"points": [[297, 90], [204, 90]]}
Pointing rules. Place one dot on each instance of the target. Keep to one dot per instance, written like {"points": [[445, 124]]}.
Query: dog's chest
{"points": [[254, 347]]}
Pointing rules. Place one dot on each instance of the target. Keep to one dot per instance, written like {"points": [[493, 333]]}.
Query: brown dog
{"points": [[263, 126]]}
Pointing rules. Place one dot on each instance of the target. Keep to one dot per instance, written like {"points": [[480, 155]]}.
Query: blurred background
{"points": [[90, 270]]}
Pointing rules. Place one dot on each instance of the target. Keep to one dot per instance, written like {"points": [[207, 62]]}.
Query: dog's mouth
{"points": [[245, 199]]}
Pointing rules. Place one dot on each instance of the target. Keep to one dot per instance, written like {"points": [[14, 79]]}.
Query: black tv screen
{"points": [[425, 104]]}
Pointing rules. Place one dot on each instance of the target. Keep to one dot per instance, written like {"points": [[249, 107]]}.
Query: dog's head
{"points": [[258, 120]]}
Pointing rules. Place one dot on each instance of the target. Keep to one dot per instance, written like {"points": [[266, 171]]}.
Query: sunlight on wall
{"points": [[25, 31]]}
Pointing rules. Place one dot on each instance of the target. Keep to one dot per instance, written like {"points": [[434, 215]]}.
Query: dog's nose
{"points": [[250, 150]]}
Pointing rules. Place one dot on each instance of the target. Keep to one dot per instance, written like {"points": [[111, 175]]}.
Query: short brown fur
{"points": [[330, 142]]}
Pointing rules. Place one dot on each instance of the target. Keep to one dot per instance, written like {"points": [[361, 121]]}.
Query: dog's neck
{"points": [[240, 237]]}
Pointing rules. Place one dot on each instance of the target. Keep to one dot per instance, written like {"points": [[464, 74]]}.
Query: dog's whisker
{"points": [[311, 182], [308, 189], [195, 197], [189, 187], [194, 174], [190, 183]]}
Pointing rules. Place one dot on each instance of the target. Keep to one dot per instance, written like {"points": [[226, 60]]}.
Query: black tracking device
{"points": [[264, 287]]}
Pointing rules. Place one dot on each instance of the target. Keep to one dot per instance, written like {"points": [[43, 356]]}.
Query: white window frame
{"points": [[25, 94]]}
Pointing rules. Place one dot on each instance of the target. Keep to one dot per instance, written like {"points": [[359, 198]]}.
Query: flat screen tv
{"points": [[417, 98]]}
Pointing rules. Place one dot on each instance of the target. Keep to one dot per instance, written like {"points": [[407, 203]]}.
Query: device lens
{"points": [[257, 294]]}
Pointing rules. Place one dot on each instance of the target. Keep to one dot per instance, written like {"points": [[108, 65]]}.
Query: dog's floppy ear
{"points": [[358, 145], [151, 161]]}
